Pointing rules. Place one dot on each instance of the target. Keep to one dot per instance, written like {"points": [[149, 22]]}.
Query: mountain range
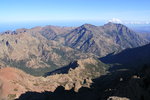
{"points": [[43, 49], [102, 40], [95, 58]]}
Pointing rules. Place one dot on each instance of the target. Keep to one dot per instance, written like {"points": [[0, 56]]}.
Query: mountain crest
{"points": [[110, 24], [102, 40], [87, 26]]}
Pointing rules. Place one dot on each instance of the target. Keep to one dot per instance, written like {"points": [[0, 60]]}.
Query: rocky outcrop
{"points": [[15, 82], [117, 98], [85, 68]]}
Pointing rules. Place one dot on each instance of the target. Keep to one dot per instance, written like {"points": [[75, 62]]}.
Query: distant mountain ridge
{"points": [[33, 53], [43, 49], [102, 40]]}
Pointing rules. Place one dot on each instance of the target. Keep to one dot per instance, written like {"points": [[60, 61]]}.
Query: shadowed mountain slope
{"points": [[118, 85], [133, 57]]}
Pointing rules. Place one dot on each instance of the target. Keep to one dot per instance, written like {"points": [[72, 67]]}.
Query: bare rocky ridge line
{"points": [[99, 40]]}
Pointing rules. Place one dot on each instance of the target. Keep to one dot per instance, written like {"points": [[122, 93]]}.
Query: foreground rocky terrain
{"points": [[15, 82], [133, 87]]}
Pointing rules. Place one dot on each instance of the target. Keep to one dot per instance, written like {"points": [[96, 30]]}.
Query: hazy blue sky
{"points": [[56, 11]]}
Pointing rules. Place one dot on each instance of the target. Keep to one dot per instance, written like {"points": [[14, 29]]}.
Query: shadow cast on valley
{"points": [[59, 94], [63, 70], [112, 84]]}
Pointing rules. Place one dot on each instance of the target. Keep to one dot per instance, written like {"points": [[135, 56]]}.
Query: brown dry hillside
{"points": [[15, 82]]}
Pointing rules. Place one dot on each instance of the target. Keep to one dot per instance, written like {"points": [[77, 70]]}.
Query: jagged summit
{"points": [[113, 25]]}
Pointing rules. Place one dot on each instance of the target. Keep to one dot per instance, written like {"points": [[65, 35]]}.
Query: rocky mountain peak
{"points": [[88, 26], [113, 25]]}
